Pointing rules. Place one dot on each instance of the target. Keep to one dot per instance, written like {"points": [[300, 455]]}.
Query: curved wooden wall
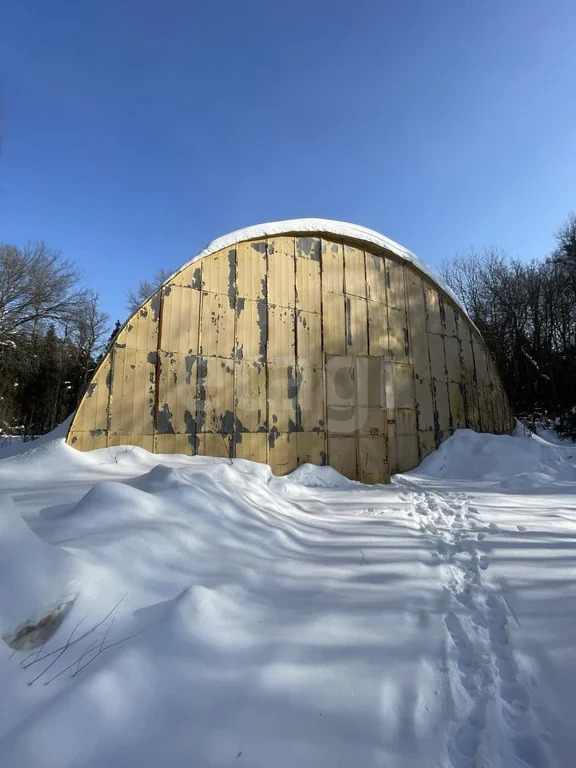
{"points": [[292, 349]]}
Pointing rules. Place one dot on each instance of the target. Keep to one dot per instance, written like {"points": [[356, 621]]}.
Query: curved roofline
{"points": [[324, 227]]}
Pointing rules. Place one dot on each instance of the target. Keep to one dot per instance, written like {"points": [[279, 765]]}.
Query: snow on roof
{"points": [[325, 227]]}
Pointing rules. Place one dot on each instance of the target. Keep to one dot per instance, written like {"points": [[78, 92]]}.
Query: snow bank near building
{"points": [[224, 616]]}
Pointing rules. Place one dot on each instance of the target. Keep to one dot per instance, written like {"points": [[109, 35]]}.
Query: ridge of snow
{"points": [[325, 227]]}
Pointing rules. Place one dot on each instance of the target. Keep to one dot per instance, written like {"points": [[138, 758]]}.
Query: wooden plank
{"points": [[182, 444], [308, 338], [392, 447], [354, 272], [219, 446], [457, 409], [375, 278], [432, 309], [216, 326], [340, 381], [308, 248], [132, 398], [142, 441], [281, 335], [251, 330], [252, 446], [217, 399], [378, 330], [437, 358], [308, 286], [251, 270], [177, 393], [406, 421], [407, 452], [453, 358], [356, 315], [219, 273], [250, 396], [372, 460], [369, 384], [442, 421], [425, 411], [189, 276], [450, 318], [395, 290], [342, 455], [403, 386], [334, 324], [311, 448], [92, 413], [426, 443], [332, 267], [342, 419], [281, 271], [141, 331], [282, 453], [281, 407], [398, 338], [180, 320], [371, 420], [311, 398]]}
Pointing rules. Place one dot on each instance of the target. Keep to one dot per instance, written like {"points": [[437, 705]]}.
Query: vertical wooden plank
{"points": [[308, 292], [398, 338], [332, 267], [432, 309], [217, 445], [395, 291], [250, 398], [177, 394], [92, 413], [251, 329], [216, 326], [334, 324], [282, 453], [378, 330], [369, 384], [437, 358], [281, 401], [457, 410], [219, 273], [252, 446], [281, 335], [354, 272], [311, 399], [372, 460], [251, 270], [180, 320], [132, 399], [311, 448], [342, 455], [218, 385], [281, 271], [189, 276], [375, 278], [407, 452], [141, 331], [356, 315], [308, 338]]}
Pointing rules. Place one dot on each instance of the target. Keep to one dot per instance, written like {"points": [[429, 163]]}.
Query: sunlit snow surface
{"points": [[300, 621]]}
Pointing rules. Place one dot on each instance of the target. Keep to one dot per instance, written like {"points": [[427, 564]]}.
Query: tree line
{"points": [[526, 313]]}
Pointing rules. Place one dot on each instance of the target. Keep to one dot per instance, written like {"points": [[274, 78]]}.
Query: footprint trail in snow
{"points": [[493, 712]]}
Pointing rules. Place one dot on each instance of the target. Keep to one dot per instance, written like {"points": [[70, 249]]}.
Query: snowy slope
{"points": [[299, 621]]}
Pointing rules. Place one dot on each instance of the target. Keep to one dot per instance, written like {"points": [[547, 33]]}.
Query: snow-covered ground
{"points": [[225, 617]]}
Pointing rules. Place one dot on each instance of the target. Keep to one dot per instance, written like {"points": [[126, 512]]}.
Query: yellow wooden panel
{"points": [[92, 413], [453, 359], [252, 446], [373, 460], [88, 441], [177, 394], [250, 395], [340, 381], [407, 452], [442, 416], [398, 335], [281, 335], [132, 399], [334, 324], [375, 278], [371, 420], [457, 409], [369, 385], [392, 447], [332, 267], [216, 394], [308, 338], [189, 277], [311, 398], [388, 379], [450, 314], [403, 386], [281, 271], [308, 248], [281, 407], [251, 270], [426, 443], [354, 272], [219, 273], [311, 448], [282, 453], [308, 293], [418, 326], [183, 444], [378, 329], [437, 360], [406, 421], [251, 329], [141, 331], [395, 292], [342, 455], [180, 320], [216, 445], [143, 441], [432, 309], [424, 407], [216, 326], [342, 419], [356, 325]]}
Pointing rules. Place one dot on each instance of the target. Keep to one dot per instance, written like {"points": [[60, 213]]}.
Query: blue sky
{"points": [[134, 132]]}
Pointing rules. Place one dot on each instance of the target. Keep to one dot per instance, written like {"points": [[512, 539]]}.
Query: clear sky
{"points": [[136, 131]]}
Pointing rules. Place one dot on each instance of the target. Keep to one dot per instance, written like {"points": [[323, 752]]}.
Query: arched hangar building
{"points": [[298, 341]]}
